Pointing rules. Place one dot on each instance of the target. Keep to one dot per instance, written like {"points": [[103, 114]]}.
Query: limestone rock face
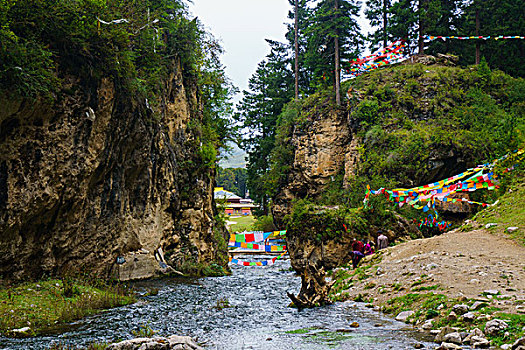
{"points": [[98, 174]]}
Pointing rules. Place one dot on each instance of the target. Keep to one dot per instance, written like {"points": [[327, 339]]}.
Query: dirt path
{"points": [[455, 264]]}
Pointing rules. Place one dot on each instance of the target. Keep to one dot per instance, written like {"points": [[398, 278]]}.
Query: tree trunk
{"points": [[478, 42], [296, 50], [385, 35], [421, 42], [337, 63]]}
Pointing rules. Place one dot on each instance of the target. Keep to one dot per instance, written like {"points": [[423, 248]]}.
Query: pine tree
{"points": [[378, 13], [300, 42], [270, 88], [333, 36]]}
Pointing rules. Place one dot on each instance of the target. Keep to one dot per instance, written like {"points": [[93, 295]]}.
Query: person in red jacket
{"points": [[358, 246]]}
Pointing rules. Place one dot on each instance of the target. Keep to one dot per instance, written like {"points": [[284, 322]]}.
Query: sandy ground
{"points": [[461, 263]]}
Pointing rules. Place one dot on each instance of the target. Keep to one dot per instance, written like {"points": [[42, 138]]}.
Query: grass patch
{"points": [[507, 213], [301, 330], [242, 223], [46, 304], [423, 288], [516, 328]]}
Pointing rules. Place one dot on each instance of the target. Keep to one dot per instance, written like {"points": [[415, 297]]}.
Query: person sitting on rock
{"points": [[369, 248], [356, 258]]}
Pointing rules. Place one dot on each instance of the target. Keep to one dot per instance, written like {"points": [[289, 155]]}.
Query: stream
{"points": [[258, 317]]}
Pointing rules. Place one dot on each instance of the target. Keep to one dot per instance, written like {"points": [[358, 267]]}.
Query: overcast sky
{"points": [[242, 26]]}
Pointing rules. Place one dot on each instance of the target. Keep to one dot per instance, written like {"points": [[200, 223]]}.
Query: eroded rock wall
{"points": [[98, 175]]}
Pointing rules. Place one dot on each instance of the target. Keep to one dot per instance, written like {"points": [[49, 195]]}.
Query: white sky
{"points": [[242, 26]]}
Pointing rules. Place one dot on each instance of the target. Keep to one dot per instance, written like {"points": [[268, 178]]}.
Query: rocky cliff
{"points": [[400, 127], [95, 181]]}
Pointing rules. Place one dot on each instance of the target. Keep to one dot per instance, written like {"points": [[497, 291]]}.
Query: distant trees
{"points": [[233, 180]]}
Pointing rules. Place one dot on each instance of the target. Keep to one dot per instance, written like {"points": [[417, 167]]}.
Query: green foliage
{"points": [[44, 304], [144, 331], [43, 41], [233, 180], [264, 223]]}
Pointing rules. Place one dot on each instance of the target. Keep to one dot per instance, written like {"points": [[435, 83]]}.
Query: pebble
{"points": [[491, 292], [419, 346], [512, 229], [491, 224], [354, 324]]}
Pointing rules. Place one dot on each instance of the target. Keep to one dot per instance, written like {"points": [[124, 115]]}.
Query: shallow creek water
{"points": [[259, 317]]}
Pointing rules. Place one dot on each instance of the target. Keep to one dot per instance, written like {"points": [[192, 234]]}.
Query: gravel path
{"points": [[461, 263]]}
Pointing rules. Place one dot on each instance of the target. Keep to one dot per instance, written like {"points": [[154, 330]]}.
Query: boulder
{"points": [[460, 309], [448, 346], [403, 316], [157, 343], [512, 229], [495, 326], [469, 317], [454, 337], [477, 305], [427, 325], [452, 316], [479, 342], [440, 337], [25, 332], [519, 344]]}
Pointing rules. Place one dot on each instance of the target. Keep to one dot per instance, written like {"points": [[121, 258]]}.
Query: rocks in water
{"points": [[24, 332], [454, 338], [440, 337], [460, 309], [403, 316], [157, 343], [354, 324], [448, 346], [495, 326], [419, 346]]}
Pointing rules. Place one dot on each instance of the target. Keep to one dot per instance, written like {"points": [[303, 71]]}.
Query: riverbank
{"points": [[481, 270], [35, 308]]}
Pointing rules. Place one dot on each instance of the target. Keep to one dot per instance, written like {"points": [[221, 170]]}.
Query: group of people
{"points": [[360, 250]]}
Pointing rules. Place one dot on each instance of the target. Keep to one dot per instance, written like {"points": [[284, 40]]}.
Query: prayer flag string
{"points": [[266, 248], [257, 263], [255, 236], [444, 38], [424, 197]]}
